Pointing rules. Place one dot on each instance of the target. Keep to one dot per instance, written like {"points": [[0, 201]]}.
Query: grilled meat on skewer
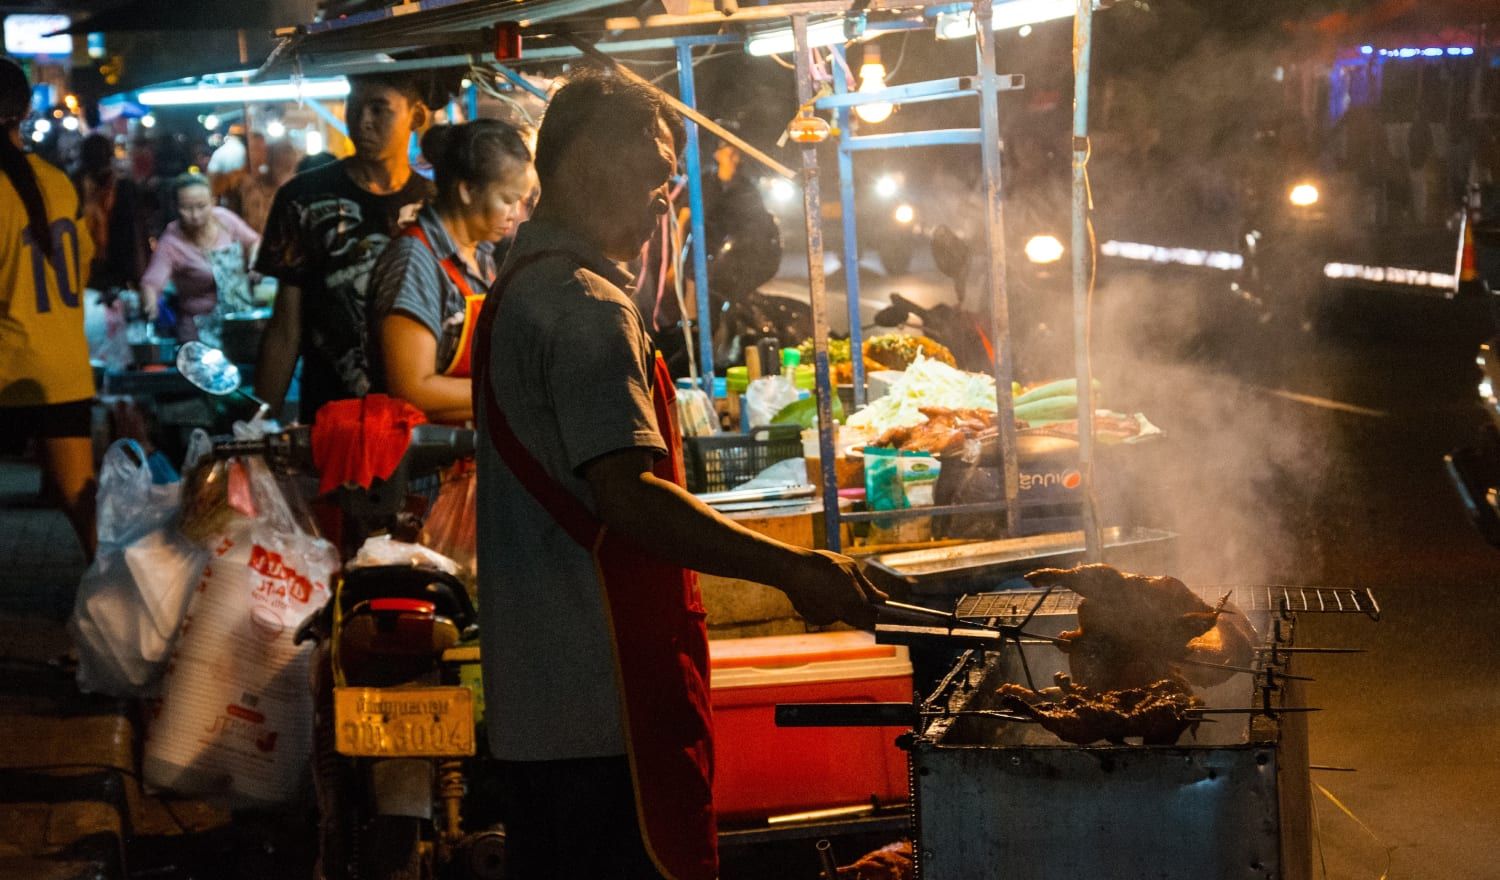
{"points": [[1158, 713], [1134, 630]]}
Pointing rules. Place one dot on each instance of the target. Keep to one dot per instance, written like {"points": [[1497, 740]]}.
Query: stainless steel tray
{"points": [[971, 560]]}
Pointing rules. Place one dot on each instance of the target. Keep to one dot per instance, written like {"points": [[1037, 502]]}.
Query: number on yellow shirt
{"points": [[62, 229]]}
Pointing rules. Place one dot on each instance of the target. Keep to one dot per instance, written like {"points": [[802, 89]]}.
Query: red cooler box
{"points": [[764, 770]]}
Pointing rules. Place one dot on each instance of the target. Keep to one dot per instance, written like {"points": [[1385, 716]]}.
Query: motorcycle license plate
{"points": [[431, 722]]}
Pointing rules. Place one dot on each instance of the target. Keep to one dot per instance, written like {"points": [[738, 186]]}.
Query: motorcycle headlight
{"points": [[905, 214], [1303, 195], [887, 186], [1044, 249]]}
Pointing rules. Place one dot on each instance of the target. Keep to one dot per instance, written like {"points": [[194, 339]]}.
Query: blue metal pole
{"points": [[694, 164], [1083, 33], [471, 101], [851, 237], [994, 241], [327, 116]]}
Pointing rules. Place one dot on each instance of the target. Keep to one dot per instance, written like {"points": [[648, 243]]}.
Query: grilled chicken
{"points": [[945, 430], [1134, 630], [1158, 713]]}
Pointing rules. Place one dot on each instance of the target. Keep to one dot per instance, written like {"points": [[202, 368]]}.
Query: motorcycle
{"points": [[397, 750]]}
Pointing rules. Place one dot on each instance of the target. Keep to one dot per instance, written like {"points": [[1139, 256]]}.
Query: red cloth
{"points": [[361, 439]]}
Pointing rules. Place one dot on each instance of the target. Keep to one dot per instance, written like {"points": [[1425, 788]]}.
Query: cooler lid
{"points": [[806, 658], [769, 652]]}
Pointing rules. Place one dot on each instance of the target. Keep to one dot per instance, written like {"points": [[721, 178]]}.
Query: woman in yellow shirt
{"points": [[46, 384]]}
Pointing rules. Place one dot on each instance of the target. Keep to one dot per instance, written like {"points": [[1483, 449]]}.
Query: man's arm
{"points": [[671, 523], [279, 347]]}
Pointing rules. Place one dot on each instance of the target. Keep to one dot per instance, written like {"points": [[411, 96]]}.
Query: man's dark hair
{"points": [[598, 102], [432, 87]]}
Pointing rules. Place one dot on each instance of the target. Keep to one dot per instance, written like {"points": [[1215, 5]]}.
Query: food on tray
{"points": [[1109, 427], [897, 351], [841, 368], [926, 383], [1134, 629], [1047, 410], [1159, 712], [946, 430], [1057, 388]]}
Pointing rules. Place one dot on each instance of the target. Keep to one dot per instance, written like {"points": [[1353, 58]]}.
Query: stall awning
{"points": [[174, 15]]}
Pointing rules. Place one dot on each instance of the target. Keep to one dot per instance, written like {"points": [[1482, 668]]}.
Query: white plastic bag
{"points": [[768, 396], [236, 714], [132, 599]]}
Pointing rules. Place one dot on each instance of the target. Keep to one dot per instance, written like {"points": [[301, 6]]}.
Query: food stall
{"points": [[978, 766]]}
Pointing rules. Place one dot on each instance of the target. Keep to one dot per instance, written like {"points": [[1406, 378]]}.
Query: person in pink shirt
{"points": [[205, 254]]}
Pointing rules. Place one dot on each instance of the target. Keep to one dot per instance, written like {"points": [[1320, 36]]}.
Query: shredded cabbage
{"points": [[926, 383]]}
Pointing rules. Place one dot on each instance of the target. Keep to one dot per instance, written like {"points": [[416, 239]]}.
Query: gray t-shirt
{"points": [[409, 280], [570, 360]]}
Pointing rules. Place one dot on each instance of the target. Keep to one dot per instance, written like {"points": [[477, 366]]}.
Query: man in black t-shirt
{"points": [[326, 228]]}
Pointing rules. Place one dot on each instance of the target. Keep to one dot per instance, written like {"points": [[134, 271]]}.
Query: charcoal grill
{"points": [[998, 799], [993, 796]]}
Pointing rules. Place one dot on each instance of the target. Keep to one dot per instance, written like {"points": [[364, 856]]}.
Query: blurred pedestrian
{"points": [[114, 212], [259, 189], [206, 255], [431, 280], [46, 384]]}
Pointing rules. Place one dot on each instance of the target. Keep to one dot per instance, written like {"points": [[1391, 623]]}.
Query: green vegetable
{"points": [[1060, 388], [1048, 409], [804, 413]]}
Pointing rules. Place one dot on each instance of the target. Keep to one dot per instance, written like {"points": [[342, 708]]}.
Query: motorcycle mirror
{"points": [[951, 253], [210, 370]]}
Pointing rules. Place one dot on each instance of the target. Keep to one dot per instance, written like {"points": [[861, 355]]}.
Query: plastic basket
{"points": [[724, 461]]}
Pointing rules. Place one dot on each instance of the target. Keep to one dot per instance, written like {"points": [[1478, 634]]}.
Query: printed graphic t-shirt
{"points": [[324, 235], [44, 357]]}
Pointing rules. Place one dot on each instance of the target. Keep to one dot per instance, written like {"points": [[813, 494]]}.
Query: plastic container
{"points": [[763, 770]]}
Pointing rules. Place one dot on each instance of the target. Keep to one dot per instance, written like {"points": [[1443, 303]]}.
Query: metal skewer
{"points": [[1250, 669]]}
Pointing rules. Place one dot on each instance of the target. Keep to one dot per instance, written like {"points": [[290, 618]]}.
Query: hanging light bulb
{"points": [[872, 79]]}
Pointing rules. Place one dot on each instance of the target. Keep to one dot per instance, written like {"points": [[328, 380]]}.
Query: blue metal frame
{"points": [[327, 116], [687, 90], [905, 139], [471, 101], [851, 236], [1083, 33], [519, 81]]}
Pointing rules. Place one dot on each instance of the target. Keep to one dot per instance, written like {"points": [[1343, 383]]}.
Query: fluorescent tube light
{"points": [[780, 41], [307, 89]]}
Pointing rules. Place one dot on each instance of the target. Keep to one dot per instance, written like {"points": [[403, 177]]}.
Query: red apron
{"points": [[459, 366], [660, 638]]}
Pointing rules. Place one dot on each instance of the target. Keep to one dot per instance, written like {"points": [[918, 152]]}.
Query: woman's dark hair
{"points": [[477, 153], [15, 104], [191, 178], [607, 106]]}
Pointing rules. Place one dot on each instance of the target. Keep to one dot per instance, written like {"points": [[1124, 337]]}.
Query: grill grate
{"points": [[1016, 604]]}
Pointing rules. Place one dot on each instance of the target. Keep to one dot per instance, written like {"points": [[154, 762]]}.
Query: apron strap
{"points": [[563, 506], [454, 273]]}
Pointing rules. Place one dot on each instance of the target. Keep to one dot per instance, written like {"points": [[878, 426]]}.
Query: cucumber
{"points": [[1048, 409], [1060, 388]]}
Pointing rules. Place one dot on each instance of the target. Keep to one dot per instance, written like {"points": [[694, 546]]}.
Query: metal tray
{"points": [[991, 559]]}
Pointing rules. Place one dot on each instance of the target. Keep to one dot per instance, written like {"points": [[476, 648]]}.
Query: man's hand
{"points": [[829, 587]]}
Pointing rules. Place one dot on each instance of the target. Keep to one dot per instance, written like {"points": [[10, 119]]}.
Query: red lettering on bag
{"points": [[244, 714]]}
